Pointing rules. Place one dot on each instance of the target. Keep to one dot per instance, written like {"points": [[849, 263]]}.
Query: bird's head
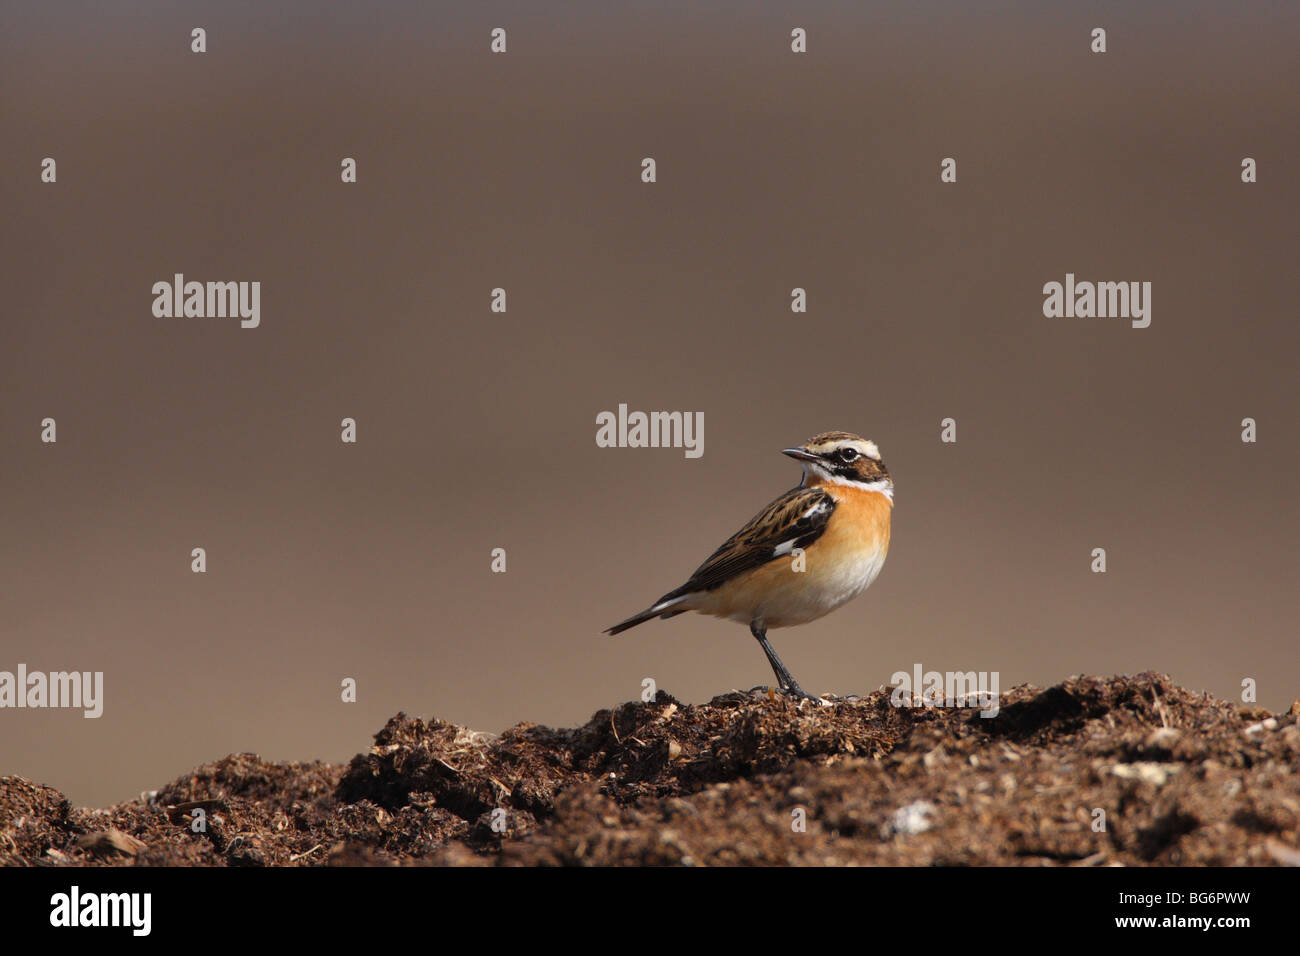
{"points": [[843, 458]]}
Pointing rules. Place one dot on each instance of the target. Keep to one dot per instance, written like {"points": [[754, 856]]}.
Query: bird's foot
{"points": [[793, 691], [843, 698], [797, 693]]}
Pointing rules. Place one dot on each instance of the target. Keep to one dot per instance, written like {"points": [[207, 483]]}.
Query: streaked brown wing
{"points": [[794, 520]]}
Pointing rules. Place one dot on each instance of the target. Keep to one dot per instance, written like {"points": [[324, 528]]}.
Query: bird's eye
{"points": [[848, 454]]}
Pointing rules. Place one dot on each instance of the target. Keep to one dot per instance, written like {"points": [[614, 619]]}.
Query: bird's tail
{"points": [[662, 608]]}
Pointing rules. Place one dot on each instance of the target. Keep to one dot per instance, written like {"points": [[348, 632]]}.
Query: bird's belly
{"points": [[782, 596]]}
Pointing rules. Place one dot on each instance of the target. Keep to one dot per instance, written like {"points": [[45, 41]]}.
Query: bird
{"points": [[810, 551]]}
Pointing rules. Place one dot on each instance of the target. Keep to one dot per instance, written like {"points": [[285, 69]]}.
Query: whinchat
{"points": [[837, 519]]}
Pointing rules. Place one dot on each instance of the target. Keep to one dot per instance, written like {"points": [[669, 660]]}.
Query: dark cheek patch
{"points": [[869, 471]]}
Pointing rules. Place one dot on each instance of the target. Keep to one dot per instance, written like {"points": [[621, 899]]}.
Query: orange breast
{"points": [[861, 520], [837, 567]]}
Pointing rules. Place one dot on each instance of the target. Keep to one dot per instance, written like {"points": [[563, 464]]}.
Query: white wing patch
{"points": [[785, 547]]}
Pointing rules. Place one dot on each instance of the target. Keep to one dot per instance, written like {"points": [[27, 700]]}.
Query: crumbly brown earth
{"points": [[748, 778]]}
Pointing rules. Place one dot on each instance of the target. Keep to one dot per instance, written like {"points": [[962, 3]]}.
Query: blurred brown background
{"points": [[476, 430]]}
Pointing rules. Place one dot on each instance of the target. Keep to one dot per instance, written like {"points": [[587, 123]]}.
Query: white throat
{"points": [[884, 486]]}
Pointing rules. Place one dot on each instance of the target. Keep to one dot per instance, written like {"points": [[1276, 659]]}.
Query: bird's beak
{"points": [[799, 454]]}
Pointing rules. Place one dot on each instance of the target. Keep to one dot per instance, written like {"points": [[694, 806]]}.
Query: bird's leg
{"points": [[785, 682]]}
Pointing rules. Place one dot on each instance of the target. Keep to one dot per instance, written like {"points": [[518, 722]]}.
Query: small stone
{"points": [[1284, 854], [1260, 726], [912, 819], [1156, 774], [1163, 738]]}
